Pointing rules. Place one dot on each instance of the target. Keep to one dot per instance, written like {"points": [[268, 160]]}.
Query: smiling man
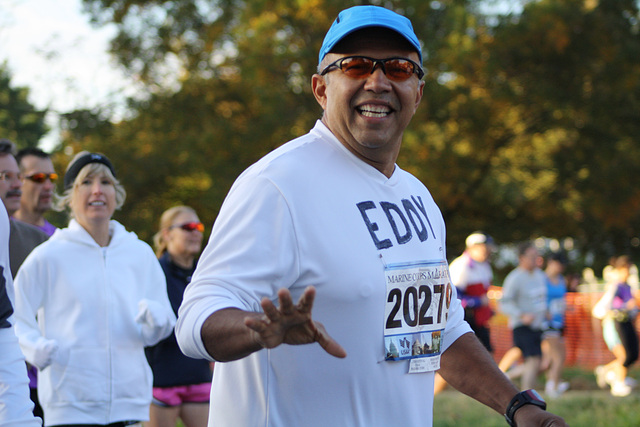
{"points": [[330, 221]]}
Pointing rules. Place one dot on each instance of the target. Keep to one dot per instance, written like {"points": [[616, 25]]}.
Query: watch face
{"points": [[534, 394]]}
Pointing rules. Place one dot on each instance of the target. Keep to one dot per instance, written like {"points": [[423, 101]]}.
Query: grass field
{"points": [[583, 405]]}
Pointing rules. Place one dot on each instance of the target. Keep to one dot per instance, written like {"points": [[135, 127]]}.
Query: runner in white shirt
{"points": [[471, 274], [331, 214]]}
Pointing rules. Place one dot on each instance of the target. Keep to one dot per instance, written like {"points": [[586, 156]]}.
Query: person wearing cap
{"points": [[324, 287], [472, 276], [100, 297], [38, 188]]}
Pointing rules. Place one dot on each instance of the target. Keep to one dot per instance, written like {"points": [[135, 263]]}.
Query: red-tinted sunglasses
{"points": [[42, 177], [360, 67], [190, 226]]}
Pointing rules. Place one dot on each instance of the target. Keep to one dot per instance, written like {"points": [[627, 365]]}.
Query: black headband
{"points": [[76, 167]]}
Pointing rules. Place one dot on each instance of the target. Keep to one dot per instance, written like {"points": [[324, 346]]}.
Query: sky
{"points": [[51, 48]]}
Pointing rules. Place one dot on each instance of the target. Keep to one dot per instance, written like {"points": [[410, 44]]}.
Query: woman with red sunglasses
{"points": [[181, 385]]}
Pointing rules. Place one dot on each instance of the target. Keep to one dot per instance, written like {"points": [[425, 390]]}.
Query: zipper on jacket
{"points": [[109, 346]]}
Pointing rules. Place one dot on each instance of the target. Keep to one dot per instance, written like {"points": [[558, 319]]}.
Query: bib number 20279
{"points": [[412, 308], [416, 310]]}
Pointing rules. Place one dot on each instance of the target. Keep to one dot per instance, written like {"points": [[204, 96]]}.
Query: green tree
{"points": [[577, 82], [20, 121], [528, 125], [531, 125], [250, 96]]}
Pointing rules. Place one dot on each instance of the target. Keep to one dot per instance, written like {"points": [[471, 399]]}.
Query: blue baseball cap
{"points": [[359, 17]]}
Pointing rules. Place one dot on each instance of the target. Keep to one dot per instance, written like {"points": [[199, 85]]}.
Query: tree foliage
{"points": [[20, 121], [528, 127], [535, 130]]}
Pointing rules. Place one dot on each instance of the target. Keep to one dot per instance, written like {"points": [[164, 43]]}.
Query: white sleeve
{"points": [[251, 253], [29, 296], [15, 405], [157, 301]]}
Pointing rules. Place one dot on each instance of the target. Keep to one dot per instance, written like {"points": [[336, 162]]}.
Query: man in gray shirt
{"points": [[524, 300]]}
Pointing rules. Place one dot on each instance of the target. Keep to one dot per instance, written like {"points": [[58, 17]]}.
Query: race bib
{"points": [[416, 311]]}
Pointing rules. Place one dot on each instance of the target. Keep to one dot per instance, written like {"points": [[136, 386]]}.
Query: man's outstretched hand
{"points": [[291, 324]]}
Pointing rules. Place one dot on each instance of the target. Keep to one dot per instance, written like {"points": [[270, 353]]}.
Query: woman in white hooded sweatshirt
{"points": [[87, 303]]}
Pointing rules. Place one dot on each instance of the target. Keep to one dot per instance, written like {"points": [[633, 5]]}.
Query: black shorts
{"points": [[552, 332], [528, 341]]}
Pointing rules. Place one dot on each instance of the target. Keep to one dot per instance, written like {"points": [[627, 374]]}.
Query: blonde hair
{"points": [[166, 221], [64, 201]]}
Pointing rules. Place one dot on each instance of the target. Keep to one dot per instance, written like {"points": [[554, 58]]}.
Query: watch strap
{"points": [[527, 397]]}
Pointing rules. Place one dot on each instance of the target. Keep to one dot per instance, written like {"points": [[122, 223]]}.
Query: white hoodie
{"points": [[87, 299]]}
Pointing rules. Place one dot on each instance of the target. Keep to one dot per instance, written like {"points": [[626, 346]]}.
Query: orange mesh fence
{"points": [[582, 334]]}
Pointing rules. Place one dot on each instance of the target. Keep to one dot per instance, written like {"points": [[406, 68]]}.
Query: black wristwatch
{"points": [[527, 397]]}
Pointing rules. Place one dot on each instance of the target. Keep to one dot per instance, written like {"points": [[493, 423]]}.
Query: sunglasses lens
{"points": [[42, 177], [357, 67], [191, 226], [38, 177], [399, 69]]}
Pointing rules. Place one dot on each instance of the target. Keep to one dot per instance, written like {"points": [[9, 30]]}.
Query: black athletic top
{"points": [[170, 367]]}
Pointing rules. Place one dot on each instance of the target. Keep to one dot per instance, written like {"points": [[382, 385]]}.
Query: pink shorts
{"points": [[176, 396]]}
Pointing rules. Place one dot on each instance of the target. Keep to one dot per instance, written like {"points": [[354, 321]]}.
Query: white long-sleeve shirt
{"points": [[311, 213]]}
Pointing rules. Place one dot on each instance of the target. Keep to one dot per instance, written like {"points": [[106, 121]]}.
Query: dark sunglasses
{"points": [[190, 226], [42, 177], [359, 67]]}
